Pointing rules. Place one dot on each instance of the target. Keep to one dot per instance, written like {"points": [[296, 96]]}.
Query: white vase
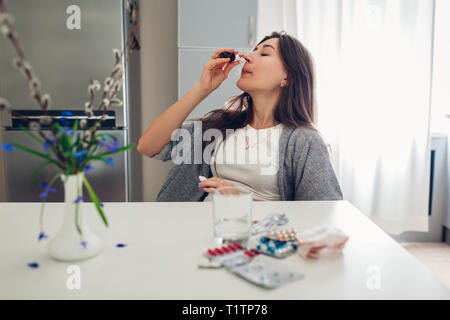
{"points": [[67, 244]]}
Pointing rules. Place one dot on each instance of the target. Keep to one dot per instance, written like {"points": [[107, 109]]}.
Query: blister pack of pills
{"points": [[269, 223], [283, 235], [265, 272], [275, 248], [231, 255], [248, 265]]}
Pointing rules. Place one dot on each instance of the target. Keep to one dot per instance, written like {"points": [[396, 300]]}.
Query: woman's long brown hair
{"points": [[297, 105]]}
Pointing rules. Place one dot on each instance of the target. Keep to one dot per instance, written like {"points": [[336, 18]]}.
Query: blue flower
{"points": [[112, 147], [64, 122], [78, 200], [69, 131], [44, 185], [33, 265], [101, 204], [8, 147], [110, 162], [43, 195], [67, 113], [83, 244], [42, 235], [88, 168], [46, 146], [79, 154], [121, 245], [106, 142], [47, 189]]}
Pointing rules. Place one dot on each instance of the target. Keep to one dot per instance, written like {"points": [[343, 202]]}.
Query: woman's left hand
{"points": [[212, 183]]}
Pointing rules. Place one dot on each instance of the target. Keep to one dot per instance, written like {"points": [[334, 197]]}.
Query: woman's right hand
{"points": [[213, 75]]}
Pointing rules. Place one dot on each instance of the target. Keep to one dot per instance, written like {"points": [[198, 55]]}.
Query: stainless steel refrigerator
{"points": [[64, 58]]}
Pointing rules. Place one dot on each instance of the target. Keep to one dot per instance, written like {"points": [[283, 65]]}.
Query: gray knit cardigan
{"points": [[305, 171]]}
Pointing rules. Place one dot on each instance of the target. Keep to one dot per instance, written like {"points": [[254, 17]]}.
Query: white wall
{"points": [[159, 65], [276, 15], [270, 18]]}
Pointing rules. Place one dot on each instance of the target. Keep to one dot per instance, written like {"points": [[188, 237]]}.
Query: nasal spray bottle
{"points": [[233, 57]]}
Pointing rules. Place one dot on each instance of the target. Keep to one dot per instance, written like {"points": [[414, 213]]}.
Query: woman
{"points": [[278, 101]]}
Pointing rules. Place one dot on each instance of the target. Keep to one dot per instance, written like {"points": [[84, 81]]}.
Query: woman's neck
{"points": [[258, 126], [263, 110]]}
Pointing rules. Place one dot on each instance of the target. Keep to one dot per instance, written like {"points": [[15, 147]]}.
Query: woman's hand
{"points": [[212, 183], [213, 75]]}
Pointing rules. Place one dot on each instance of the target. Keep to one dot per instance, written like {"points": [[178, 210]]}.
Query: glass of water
{"points": [[232, 213]]}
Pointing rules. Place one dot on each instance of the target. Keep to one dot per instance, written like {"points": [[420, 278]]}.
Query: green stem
{"points": [[94, 198], [41, 215], [34, 152], [77, 222]]}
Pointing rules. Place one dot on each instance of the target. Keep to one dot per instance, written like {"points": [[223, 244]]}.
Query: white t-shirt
{"points": [[251, 162]]}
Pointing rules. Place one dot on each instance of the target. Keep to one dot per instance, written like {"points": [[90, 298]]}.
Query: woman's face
{"points": [[264, 69]]}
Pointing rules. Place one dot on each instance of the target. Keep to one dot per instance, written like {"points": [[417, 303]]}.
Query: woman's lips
{"points": [[245, 72]]}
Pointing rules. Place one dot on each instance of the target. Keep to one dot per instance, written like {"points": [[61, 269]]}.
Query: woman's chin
{"points": [[242, 85]]}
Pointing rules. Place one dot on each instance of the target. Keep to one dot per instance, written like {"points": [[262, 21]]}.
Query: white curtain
{"points": [[373, 60]]}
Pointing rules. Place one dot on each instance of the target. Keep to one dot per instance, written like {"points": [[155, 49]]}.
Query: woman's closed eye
{"points": [[262, 54]]}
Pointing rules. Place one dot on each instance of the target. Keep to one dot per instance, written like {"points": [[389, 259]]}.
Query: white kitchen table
{"points": [[164, 242]]}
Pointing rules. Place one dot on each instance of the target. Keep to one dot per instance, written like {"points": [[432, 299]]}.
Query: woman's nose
{"points": [[246, 56]]}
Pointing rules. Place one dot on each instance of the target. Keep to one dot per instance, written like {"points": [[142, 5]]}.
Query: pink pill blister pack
{"points": [[231, 255]]}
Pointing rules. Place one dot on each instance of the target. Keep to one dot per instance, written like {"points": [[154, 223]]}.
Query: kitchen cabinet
{"points": [[214, 23], [203, 27]]}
